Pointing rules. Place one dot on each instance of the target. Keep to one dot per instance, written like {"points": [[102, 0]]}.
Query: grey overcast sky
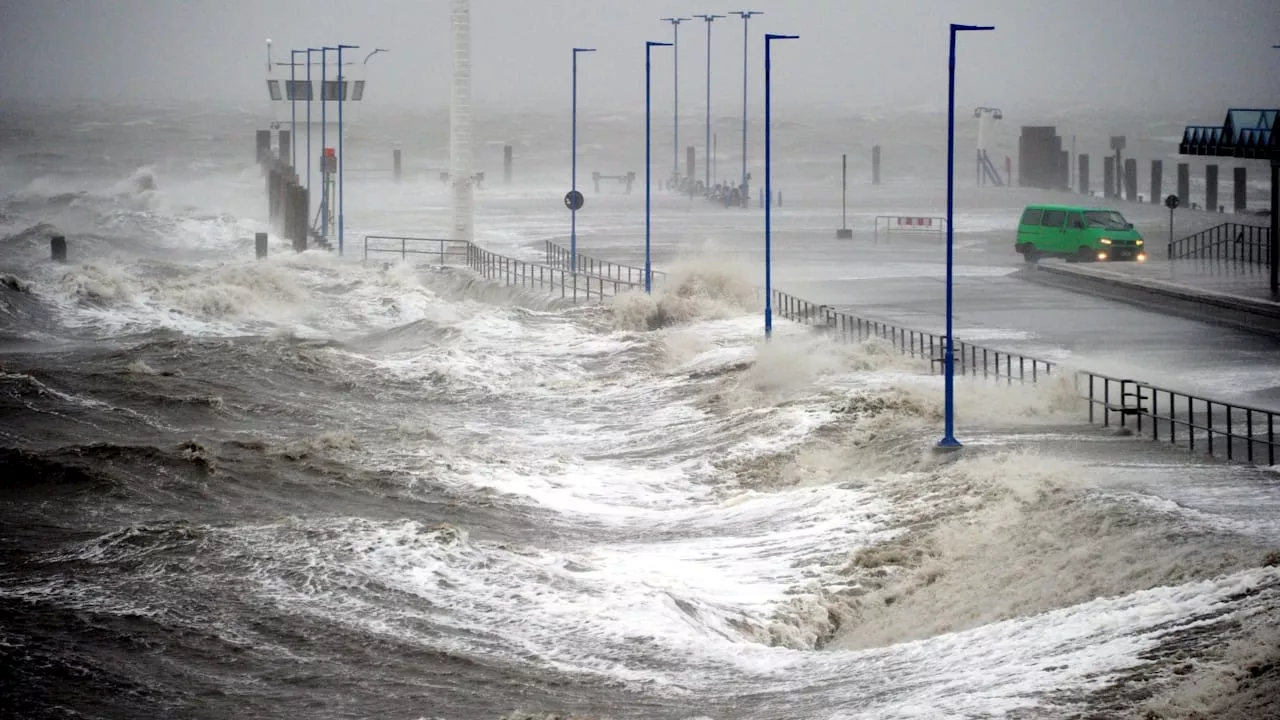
{"points": [[1167, 54]]}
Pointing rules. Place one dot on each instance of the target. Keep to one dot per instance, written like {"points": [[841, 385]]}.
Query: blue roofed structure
{"points": [[1249, 134], [1246, 133]]}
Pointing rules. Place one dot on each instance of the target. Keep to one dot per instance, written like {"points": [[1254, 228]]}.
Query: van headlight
{"points": [[1139, 242], [1105, 241]]}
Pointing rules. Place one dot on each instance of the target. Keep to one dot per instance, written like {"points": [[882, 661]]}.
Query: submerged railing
{"points": [[1235, 432], [1232, 242], [561, 257], [494, 266]]}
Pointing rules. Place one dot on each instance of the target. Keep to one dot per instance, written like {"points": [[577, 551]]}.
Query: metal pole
{"points": [[949, 435], [768, 186], [648, 157], [746, 17], [675, 92], [1274, 250], [293, 109], [324, 125], [342, 160], [573, 180], [309, 94], [707, 160]]}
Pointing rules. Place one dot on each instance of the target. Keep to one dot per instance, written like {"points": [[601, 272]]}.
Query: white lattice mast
{"points": [[460, 170]]}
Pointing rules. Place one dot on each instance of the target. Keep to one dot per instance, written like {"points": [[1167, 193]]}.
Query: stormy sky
{"points": [[1151, 54]]}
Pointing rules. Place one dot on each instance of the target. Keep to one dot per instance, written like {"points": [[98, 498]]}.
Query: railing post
{"points": [[1155, 415], [1248, 419]]}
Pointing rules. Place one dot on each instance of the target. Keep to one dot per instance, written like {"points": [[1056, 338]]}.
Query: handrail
{"points": [[511, 271], [1231, 241], [441, 251], [560, 256]]}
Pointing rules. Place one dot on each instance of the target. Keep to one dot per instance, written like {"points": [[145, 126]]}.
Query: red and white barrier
{"points": [[909, 223]]}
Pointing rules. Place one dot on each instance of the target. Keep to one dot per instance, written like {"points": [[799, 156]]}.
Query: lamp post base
{"points": [[844, 234], [948, 444]]}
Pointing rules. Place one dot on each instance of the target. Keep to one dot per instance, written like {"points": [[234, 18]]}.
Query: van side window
{"points": [[1053, 218], [1076, 222], [1032, 216]]}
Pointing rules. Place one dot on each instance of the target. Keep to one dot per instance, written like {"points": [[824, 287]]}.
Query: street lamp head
{"points": [[746, 14], [347, 47], [958, 28], [651, 43], [578, 50], [675, 20], [375, 52], [709, 18], [771, 36]]}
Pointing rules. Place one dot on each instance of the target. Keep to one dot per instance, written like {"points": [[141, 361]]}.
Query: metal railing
{"points": [[1229, 241], [443, 249], [516, 272], [494, 266], [1235, 432], [559, 257], [970, 359]]}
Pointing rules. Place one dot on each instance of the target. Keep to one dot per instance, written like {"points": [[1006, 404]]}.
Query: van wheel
{"points": [[1029, 254]]}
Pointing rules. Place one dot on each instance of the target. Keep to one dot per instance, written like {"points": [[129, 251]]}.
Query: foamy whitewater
{"points": [[312, 486]]}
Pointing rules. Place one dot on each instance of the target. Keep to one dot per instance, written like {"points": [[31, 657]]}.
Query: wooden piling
{"points": [[1242, 190], [1211, 188]]}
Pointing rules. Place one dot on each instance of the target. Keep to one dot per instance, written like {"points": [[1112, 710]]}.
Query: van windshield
{"points": [[1106, 219]]}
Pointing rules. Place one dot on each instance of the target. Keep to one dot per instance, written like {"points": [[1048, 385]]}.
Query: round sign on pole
{"points": [[1171, 202], [574, 200]]}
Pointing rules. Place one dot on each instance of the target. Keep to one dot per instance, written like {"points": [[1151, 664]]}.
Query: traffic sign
{"points": [[1171, 202], [574, 200]]}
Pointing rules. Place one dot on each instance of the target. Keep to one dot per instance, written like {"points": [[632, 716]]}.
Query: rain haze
{"points": [[1153, 54], [450, 403]]}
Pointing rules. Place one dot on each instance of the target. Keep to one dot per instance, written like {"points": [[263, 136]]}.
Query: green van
{"points": [[1079, 234]]}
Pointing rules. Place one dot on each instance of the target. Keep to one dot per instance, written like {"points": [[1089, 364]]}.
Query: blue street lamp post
{"points": [[342, 93], [746, 18], [648, 143], [324, 144], [293, 108], [675, 92], [949, 440], [573, 173], [309, 94], [707, 160], [768, 189]]}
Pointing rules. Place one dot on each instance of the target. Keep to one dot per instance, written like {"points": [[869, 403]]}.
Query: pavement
{"points": [[1225, 293]]}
